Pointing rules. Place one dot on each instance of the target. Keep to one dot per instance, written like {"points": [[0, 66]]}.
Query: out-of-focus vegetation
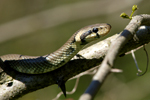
{"points": [[39, 27]]}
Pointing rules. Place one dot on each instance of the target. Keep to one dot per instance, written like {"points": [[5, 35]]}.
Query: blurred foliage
{"points": [[73, 16]]}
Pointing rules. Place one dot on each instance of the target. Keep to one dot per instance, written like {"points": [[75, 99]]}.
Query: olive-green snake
{"points": [[50, 62]]}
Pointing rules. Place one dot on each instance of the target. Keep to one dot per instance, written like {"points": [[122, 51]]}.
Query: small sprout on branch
{"points": [[124, 15], [134, 8]]}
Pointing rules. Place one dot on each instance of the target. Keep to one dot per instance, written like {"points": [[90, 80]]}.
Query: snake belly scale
{"points": [[50, 62]]}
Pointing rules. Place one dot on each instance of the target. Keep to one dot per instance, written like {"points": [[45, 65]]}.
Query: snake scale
{"points": [[50, 62]]}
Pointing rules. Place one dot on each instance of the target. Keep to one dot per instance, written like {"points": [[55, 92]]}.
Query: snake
{"points": [[50, 62]]}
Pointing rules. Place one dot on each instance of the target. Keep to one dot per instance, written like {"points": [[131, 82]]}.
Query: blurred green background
{"points": [[39, 27]]}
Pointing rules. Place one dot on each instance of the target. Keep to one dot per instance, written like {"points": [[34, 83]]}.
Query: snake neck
{"points": [[64, 54]]}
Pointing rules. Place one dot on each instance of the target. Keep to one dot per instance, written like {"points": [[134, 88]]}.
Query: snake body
{"points": [[50, 62]]}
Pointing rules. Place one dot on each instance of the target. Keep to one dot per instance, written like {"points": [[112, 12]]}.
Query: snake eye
{"points": [[95, 30]]}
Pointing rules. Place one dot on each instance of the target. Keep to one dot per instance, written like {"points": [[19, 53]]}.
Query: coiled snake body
{"points": [[50, 62]]}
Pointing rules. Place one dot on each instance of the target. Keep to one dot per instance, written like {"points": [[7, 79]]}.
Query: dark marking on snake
{"points": [[82, 37]]}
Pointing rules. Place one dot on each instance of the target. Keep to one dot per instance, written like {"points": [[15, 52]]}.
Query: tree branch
{"points": [[121, 45], [15, 84]]}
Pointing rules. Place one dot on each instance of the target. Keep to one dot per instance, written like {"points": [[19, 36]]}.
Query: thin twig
{"points": [[147, 62], [91, 71], [134, 58]]}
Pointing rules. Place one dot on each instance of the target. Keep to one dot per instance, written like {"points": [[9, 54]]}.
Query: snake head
{"points": [[92, 32]]}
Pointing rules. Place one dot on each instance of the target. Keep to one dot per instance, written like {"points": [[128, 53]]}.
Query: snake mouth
{"points": [[88, 36], [84, 35]]}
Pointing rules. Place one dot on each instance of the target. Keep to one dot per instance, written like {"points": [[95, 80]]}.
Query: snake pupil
{"points": [[95, 30]]}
